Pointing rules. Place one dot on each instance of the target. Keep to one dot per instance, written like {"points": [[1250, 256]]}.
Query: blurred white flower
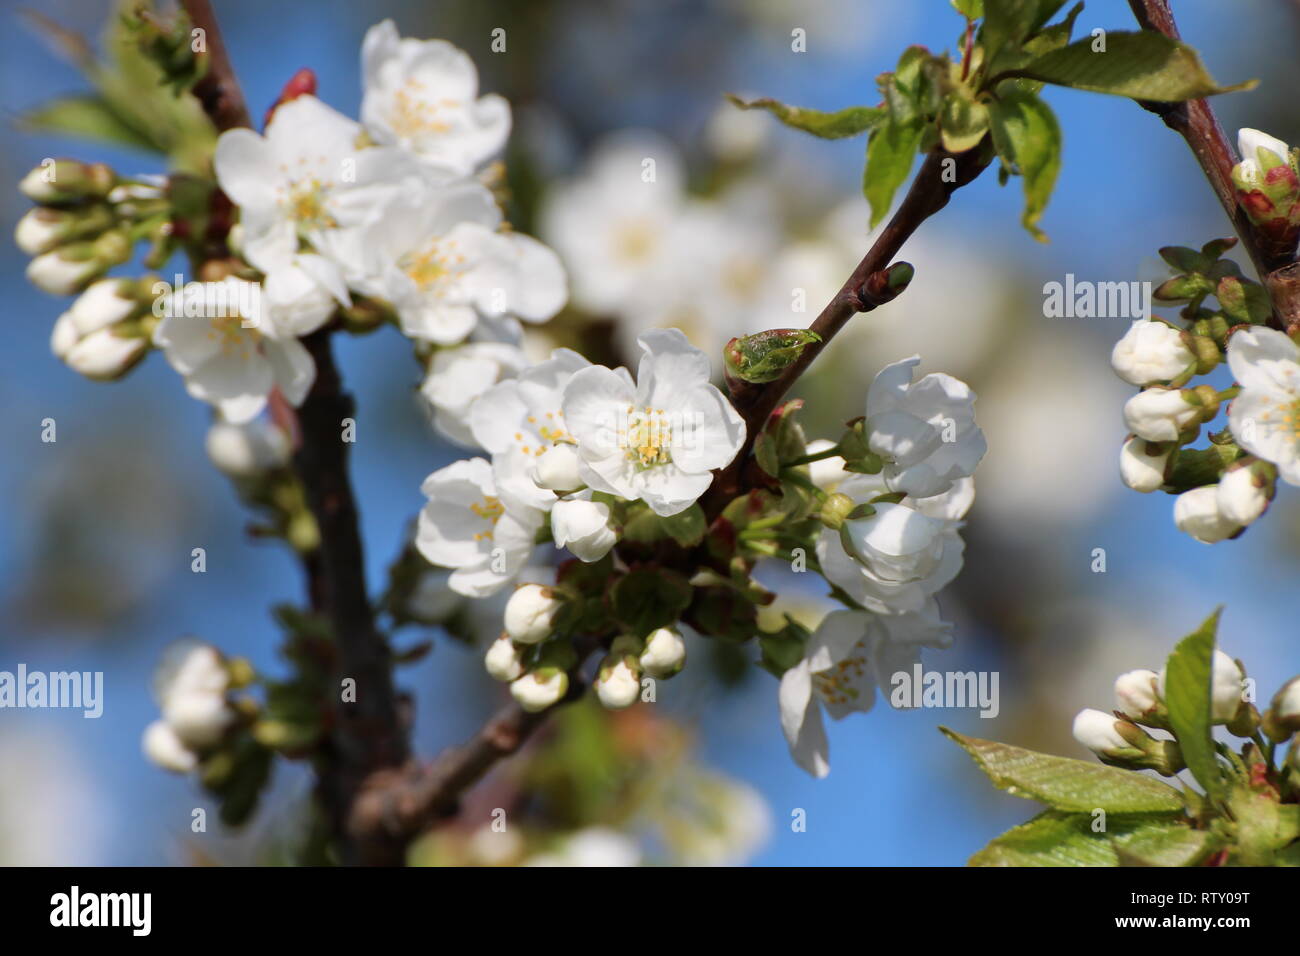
{"points": [[1263, 418], [593, 846], [244, 451]]}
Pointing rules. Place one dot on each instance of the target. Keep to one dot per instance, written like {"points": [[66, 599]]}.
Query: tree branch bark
{"points": [[939, 177], [218, 90], [1196, 122]]}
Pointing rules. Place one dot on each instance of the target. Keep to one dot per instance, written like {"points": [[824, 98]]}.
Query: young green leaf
{"points": [[1177, 845], [963, 121], [1067, 784], [1187, 695], [1144, 65], [1026, 135], [1054, 838], [85, 116], [970, 9], [844, 123], [1008, 23], [890, 152]]}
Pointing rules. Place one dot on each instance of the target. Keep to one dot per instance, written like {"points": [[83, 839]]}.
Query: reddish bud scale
{"points": [[1281, 174], [302, 83]]}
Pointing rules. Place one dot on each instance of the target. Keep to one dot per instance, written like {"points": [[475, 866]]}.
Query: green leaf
{"points": [[851, 121], [963, 121], [970, 9], [84, 116], [1008, 23], [1184, 259], [686, 527], [1177, 845], [1244, 301], [1187, 695], [649, 597], [1026, 135], [1067, 784], [1054, 838], [765, 454], [890, 152], [1264, 826], [1143, 65]]}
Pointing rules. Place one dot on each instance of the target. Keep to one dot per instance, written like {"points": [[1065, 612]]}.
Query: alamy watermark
{"points": [[74, 690], [1073, 299]]}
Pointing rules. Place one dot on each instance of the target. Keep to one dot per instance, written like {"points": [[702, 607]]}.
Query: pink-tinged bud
{"points": [[302, 83]]}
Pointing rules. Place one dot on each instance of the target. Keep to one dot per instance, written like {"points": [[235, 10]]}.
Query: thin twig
{"points": [[1196, 122], [940, 176], [218, 90]]}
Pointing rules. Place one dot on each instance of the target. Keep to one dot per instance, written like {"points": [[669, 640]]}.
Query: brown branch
{"points": [[940, 176], [397, 805], [368, 735], [1196, 122], [218, 89]]}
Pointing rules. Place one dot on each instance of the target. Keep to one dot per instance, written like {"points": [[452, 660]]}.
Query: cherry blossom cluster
{"points": [[1223, 488]]}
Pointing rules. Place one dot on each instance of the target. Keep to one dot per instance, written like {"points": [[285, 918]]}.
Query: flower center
{"points": [[415, 113], [839, 684], [230, 333], [307, 205], [635, 240], [543, 435], [647, 435], [490, 510], [434, 266]]}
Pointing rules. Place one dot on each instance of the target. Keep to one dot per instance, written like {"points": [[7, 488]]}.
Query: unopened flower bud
{"points": [[1159, 414], [557, 469], [664, 654], [102, 355], [835, 510], [163, 747], [540, 689], [1244, 493], [618, 683], [199, 719], [244, 451], [1135, 693], [65, 270], [1226, 686], [1150, 352], [1285, 709], [504, 660], [1139, 468], [67, 180], [584, 527], [825, 473], [530, 613], [1097, 731], [43, 228], [1197, 513]]}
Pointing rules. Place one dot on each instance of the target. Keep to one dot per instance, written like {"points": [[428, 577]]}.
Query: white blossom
{"points": [[231, 351], [849, 655], [656, 440], [190, 684], [925, 430], [1150, 352], [1265, 417], [458, 376], [467, 526], [422, 95]]}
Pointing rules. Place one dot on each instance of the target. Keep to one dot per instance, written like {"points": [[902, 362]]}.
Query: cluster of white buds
{"points": [[190, 684], [106, 331], [1212, 513], [536, 668], [84, 223], [1116, 737]]}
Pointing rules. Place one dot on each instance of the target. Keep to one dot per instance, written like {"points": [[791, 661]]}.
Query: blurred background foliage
{"points": [[98, 527]]}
